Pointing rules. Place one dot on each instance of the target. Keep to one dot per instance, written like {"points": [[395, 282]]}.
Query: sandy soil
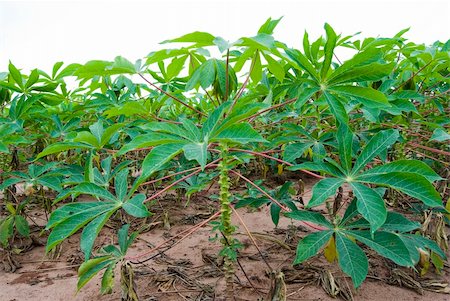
{"points": [[190, 269]]}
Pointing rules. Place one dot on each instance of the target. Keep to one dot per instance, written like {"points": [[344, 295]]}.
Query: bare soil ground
{"points": [[190, 269]]}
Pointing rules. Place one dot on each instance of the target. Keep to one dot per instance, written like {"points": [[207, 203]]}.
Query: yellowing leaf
{"points": [[330, 250]]}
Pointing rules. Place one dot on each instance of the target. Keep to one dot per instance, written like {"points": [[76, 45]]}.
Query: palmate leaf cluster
{"points": [[351, 121]]}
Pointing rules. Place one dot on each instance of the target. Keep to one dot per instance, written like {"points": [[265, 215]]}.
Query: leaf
{"points": [[352, 259], [319, 167], [269, 26], [328, 50], [345, 143], [208, 74], [275, 213], [32, 79], [240, 133], [309, 216], [122, 235], [370, 72], [62, 146], [322, 190], [370, 205], [440, 135], [380, 142], [15, 74], [330, 252], [367, 96], [336, 107], [203, 38], [121, 184], [135, 206], [175, 67], [94, 190], [156, 159], [69, 218], [311, 244], [412, 184], [302, 63], [256, 71], [397, 222], [409, 166], [6, 230], [90, 233], [423, 242], [22, 225], [91, 267], [295, 150], [386, 244], [108, 280], [274, 67], [196, 151], [150, 139]]}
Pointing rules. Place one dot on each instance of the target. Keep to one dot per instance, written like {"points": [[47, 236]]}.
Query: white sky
{"points": [[38, 34]]}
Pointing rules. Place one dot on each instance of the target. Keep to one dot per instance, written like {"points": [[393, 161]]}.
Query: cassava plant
{"points": [[366, 126]]}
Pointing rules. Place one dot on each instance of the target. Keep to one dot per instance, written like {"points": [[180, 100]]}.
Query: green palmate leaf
{"points": [[87, 138], [94, 190], [150, 139], [274, 67], [194, 134], [156, 159], [309, 216], [440, 135], [91, 267], [90, 233], [269, 26], [15, 74], [175, 67], [6, 229], [352, 259], [397, 222], [409, 166], [121, 184], [367, 96], [32, 79], [304, 94], [122, 237], [213, 120], [425, 243], [311, 244], [345, 143], [109, 132], [323, 189], [275, 213], [63, 146], [336, 107], [68, 219], [302, 63], [370, 205], [207, 74], [328, 50], [22, 225], [410, 183], [386, 244], [203, 38], [380, 142], [241, 133], [370, 72], [295, 150], [256, 71], [318, 166], [196, 151], [135, 206]]}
